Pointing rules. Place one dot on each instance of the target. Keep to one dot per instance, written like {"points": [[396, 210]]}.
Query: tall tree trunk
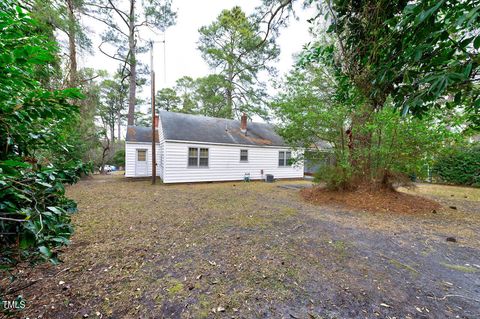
{"points": [[230, 80], [133, 65], [105, 151], [112, 135], [361, 157], [229, 92], [119, 121], [72, 45], [230, 102]]}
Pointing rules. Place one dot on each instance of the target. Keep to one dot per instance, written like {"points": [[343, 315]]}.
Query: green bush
{"points": [[460, 166], [35, 211], [119, 158], [336, 173], [335, 177], [38, 150]]}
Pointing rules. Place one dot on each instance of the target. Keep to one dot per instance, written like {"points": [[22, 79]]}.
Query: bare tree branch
{"points": [[122, 14], [111, 56], [111, 25]]}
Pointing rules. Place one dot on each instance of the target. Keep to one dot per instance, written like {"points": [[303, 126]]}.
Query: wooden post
{"points": [[154, 155]]}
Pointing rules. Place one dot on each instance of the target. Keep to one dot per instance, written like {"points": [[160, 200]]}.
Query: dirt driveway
{"points": [[255, 250]]}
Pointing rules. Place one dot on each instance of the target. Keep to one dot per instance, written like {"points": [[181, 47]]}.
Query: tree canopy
{"points": [[415, 57], [234, 49], [124, 22], [167, 99], [423, 53]]}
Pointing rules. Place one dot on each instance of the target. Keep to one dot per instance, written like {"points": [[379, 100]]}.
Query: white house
{"points": [[193, 148]]}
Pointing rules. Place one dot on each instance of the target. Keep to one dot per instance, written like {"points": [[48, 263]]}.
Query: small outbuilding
{"points": [[194, 148]]}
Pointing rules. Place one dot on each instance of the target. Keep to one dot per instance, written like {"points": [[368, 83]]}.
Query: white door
{"points": [[141, 168]]}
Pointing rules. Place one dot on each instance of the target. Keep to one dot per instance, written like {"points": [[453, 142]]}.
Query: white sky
{"points": [[182, 56]]}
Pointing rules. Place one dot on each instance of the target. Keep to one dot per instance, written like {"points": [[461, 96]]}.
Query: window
{"points": [[284, 158], [197, 157], [141, 155], [204, 157], [243, 155], [288, 159], [193, 157]]}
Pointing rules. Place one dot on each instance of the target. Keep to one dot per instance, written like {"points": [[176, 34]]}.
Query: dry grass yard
{"points": [[255, 250]]}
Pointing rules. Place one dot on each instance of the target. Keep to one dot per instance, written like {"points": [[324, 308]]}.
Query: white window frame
{"points": [[285, 159], [243, 161], [198, 157], [143, 150]]}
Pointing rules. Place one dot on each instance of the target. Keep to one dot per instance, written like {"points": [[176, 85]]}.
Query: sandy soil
{"points": [[255, 250]]}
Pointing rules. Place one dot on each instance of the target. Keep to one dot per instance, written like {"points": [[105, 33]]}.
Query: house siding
{"points": [[160, 150], [131, 155], [224, 163], [131, 158]]}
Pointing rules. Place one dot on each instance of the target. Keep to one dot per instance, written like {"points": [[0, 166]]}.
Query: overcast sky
{"points": [[182, 56]]}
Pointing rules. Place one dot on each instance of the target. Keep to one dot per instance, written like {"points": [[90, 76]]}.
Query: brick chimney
{"points": [[155, 122], [243, 123]]}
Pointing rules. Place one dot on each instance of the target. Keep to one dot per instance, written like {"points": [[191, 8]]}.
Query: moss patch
{"points": [[467, 269], [175, 289], [401, 265]]}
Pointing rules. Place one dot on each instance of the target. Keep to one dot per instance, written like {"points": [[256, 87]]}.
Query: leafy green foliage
{"points": [[205, 95], [415, 52], [86, 132], [211, 95], [336, 177], [460, 165], [412, 69], [113, 101], [54, 14], [118, 158], [167, 99], [438, 56], [36, 157], [233, 45], [317, 106], [185, 88]]}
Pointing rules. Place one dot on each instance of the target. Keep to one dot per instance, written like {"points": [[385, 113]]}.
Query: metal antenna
{"points": [[164, 59], [152, 84]]}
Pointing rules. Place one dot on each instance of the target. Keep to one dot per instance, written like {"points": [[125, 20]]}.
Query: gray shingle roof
{"points": [[140, 134], [196, 128]]}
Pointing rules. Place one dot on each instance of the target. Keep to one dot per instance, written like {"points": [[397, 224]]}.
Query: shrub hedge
{"points": [[459, 166]]}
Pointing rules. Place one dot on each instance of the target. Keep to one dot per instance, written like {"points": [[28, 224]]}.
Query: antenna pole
{"points": [[152, 84], [164, 59]]}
